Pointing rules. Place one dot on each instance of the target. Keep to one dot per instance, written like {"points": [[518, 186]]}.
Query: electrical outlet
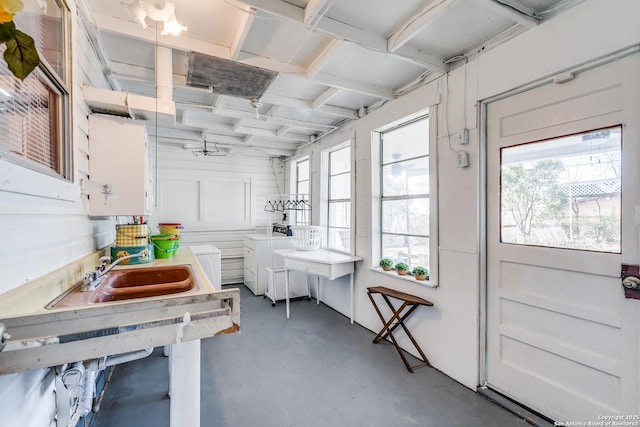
{"points": [[462, 159], [463, 137]]}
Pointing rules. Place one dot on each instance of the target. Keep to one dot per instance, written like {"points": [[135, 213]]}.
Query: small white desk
{"points": [[321, 263]]}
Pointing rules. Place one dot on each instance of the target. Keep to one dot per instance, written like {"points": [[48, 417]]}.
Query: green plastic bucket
{"points": [[164, 245]]}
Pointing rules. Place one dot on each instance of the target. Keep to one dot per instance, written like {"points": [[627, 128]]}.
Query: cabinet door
{"points": [[118, 166]]}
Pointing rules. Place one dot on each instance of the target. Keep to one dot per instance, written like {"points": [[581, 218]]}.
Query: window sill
{"points": [[407, 277]]}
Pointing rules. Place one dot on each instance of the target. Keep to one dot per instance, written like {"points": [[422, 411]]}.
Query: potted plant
{"points": [[402, 268], [386, 264], [420, 273]]}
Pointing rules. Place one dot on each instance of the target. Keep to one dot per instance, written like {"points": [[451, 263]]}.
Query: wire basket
{"points": [[307, 237]]}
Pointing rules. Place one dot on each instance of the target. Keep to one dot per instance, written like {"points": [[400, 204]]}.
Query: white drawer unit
{"points": [[258, 256], [330, 271]]}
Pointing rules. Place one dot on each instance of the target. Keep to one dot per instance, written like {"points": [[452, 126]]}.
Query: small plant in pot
{"points": [[420, 273], [386, 264], [402, 268]]}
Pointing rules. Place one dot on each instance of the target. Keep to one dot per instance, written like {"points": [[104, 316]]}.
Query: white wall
{"points": [[449, 333], [44, 226], [217, 199]]}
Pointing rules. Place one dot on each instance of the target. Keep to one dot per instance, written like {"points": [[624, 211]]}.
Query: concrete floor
{"points": [[315, 369]]}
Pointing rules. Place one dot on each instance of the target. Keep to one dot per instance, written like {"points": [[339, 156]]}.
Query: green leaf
{"points": [[7, 32], [21, 55]]}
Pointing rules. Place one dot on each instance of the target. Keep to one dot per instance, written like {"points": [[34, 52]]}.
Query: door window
{"points": [[564, 192]]}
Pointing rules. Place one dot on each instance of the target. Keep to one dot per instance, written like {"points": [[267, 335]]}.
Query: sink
{"points": [[130, 284]]}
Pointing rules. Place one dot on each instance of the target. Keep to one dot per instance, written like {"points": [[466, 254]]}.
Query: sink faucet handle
{"points": [[92, 275], [102, 262]]}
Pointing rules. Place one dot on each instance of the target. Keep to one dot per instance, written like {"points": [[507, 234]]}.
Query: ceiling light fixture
{"points": [[197, 149], [159, 11], [255, 104]]}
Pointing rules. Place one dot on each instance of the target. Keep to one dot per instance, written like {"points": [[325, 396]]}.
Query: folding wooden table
{"points": [[409, 302]]}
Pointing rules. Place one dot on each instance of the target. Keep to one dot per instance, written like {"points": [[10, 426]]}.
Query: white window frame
{"points": [[22, 176], [376, 197], [301, 217], [326, 192]]}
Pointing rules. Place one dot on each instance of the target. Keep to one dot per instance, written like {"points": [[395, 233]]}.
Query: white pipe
{"points": [[126, 357], [164, 73], [86, 402]]}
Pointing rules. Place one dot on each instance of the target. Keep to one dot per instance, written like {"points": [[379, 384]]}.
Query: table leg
{"points": [[352, 292], [184, 407], [286, 290], [317, 290]]}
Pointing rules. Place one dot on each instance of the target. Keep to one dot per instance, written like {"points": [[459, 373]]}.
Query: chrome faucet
{"points": [[94, 278]]}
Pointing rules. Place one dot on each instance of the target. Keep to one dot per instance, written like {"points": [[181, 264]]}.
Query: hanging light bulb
{"points": [[172, 27], [255, 104], [142, 9]]}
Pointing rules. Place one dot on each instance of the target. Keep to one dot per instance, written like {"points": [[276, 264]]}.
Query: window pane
{"points": [[406, 178], [339, 161], [303, 170], [340, 214], [406, 142], [26, 108], [340, 186], [564, 192], [46, 29], [303, 187], [339, 238], [32, 112], [409, 216], [412, 250]]}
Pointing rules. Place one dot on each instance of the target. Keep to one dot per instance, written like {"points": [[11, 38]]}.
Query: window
{"points": [[302, 190], [564, 192], [405, 198], [35, 113], [339, 199]]}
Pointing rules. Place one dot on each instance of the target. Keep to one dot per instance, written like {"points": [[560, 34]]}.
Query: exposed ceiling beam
{"points": [[131, 29], [267, 117], [514, 10], [341, 83], [180, 42], [313, 11], [207, 121], [272, 64], [322, 59], [247, 148], [342, 31], [283, 130], [329, 110], [324, 97], [241, 33], [144, 75], [412, 26]]}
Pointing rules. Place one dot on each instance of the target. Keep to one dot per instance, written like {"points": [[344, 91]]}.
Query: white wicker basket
{"points": [[307, 237]]}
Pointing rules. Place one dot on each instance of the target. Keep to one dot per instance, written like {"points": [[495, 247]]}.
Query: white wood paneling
{"points": [[217, 199], [44, 226]]}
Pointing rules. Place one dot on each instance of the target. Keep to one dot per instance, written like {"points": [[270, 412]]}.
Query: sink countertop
{"points": [[42, 337], [32, 297]]}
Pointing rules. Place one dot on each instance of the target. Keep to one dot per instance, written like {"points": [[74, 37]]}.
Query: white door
{"points": [[561, 338]]}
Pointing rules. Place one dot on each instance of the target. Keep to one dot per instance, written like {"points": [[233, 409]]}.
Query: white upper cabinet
{"points": [[118, 167]]}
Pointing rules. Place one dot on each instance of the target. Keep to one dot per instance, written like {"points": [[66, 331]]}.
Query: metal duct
{"points": [[228, 77]]}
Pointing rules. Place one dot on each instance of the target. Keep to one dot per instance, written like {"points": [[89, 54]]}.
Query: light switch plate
{"points": [[463, 136], [462, 159]]}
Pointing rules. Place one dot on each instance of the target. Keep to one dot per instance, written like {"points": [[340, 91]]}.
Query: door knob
{"points": [[631, 282]]}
